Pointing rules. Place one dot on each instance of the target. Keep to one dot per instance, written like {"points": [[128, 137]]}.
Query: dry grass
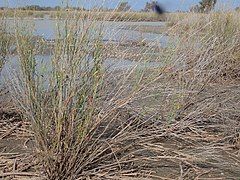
{"points": [[74, 116], [180, 121], [98, 15], [5, 42]]}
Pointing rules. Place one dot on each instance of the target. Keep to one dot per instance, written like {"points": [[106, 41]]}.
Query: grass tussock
{"points": [[74, 116], [177, 120], [217, 34]]}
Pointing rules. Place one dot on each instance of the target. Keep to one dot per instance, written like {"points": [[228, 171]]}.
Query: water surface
{"points": [[113, 31]]}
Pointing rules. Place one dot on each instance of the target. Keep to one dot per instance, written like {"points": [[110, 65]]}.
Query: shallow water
{"points": [[12, 67], [110, 64], [113, 31]]}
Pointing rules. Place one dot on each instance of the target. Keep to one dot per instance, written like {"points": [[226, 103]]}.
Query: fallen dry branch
{"points": [[3, 175], [10, 131]]}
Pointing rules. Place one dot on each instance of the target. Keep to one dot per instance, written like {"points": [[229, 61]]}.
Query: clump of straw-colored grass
{"points": [[74, 112], [90, 122]]}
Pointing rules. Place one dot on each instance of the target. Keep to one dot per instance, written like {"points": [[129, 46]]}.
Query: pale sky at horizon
{"points": [[169, 5]]}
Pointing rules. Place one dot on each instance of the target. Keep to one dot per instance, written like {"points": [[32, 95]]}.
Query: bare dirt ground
{"points": [[204, 147]]}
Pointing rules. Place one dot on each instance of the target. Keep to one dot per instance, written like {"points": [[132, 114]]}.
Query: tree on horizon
{"points": [[195, 9], [149, 6], [207, 5], [123, 6]]}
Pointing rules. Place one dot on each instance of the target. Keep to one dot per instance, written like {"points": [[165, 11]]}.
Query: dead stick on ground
{"points": [[18, 174], [10, 131]]}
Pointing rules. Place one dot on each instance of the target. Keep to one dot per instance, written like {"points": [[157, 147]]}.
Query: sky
{"points": [[169, 5]]}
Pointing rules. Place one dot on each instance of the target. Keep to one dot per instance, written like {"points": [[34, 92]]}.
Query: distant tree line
{"points": [[122, 6], [43, 8], [204, 6]]}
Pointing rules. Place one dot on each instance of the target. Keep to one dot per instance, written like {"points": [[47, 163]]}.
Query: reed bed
{"points": [[176, 121]]}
